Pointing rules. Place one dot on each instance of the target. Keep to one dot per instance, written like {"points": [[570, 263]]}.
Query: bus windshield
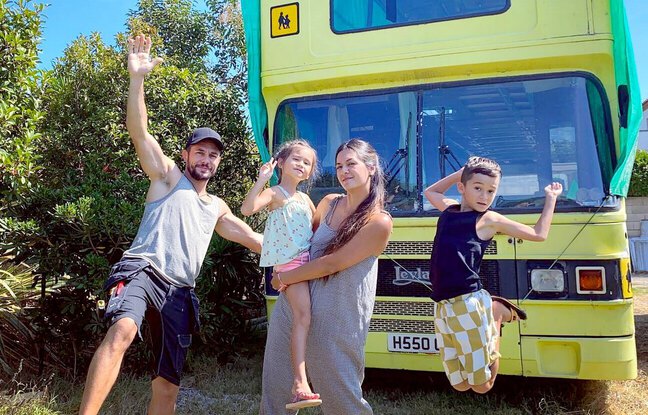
{"points": [[538, 130]]}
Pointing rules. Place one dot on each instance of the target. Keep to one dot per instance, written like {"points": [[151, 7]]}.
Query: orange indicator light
{"points": [[591, 280]]}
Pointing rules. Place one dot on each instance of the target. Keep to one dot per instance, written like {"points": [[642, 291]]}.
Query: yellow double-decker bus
{"points": [[545, 87]]}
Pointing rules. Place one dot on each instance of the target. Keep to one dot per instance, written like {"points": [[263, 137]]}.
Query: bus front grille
{"points": [[423, 248], [401, 326], [411, 278], [489, 277], [404, 308]]}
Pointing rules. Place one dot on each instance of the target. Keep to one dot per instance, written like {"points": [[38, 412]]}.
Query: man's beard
{"points": [[199, 175]]}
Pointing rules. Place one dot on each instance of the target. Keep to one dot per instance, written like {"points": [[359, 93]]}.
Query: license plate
{"points": [[412, 343]]}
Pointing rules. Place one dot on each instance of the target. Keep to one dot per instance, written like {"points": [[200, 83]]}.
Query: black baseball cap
{"points": [[203, 133]]}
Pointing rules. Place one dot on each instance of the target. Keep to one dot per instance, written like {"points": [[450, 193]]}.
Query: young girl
{"points": [[286, 242], [351, 231]]}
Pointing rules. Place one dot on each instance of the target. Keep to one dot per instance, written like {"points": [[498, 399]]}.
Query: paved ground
{"points": [[640, 279]]}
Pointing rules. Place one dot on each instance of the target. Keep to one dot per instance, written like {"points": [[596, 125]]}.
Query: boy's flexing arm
{"points": [[435, 193], [539, 232]]}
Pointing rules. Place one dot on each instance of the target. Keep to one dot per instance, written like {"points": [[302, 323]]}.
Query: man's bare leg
{"points": [[164, 397], [105, 365]]}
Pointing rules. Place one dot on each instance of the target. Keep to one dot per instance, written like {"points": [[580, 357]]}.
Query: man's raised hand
{"points": [[139, 59]]}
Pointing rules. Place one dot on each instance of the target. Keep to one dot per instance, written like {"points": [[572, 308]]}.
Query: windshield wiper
{"points": [[444, 151], [534, 202], [396, 163]]}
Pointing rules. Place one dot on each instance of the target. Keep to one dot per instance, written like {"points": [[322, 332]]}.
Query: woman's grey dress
{"points": [[341, 308]]}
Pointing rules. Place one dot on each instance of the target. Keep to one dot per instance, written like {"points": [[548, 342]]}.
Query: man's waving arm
{"points": [[155, 164]]}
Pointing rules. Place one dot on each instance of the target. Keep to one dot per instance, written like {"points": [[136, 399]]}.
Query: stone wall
{"points": [[637, 210]]}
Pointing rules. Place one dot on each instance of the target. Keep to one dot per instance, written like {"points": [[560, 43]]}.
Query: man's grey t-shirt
{"points": [[175, 232]]}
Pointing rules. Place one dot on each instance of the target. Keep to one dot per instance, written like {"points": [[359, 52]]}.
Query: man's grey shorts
{"points": [[171, 312]]}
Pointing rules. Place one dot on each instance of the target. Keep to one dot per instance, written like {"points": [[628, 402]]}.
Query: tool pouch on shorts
{"points": [[123, 271]]}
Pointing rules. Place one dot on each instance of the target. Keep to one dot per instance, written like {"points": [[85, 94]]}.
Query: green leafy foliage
{"points": [[230, 295], [639, 179], [20, 114], [229, 66], [19, 343], [74, 217], [13, 332], [186, 32], [20, 107]]}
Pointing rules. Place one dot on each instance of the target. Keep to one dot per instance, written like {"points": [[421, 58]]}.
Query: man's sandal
{"points": [[516, 312], [304, 400]]}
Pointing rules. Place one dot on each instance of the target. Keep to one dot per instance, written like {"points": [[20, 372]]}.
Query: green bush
{"points": [[20, 107], [639, 179], [230, 295], [20, 115], [76, 215]]}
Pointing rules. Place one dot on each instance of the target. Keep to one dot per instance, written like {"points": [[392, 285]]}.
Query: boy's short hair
{"points": [[480, 165]]}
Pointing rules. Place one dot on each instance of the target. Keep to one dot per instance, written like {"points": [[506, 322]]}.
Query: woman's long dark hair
{"points": [[373, 203]]}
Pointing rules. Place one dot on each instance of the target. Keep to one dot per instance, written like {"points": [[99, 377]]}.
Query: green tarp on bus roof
{"points": [[625, 76], [251, 10]]}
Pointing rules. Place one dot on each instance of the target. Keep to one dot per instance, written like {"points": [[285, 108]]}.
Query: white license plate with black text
{"points": [[412, 343]]}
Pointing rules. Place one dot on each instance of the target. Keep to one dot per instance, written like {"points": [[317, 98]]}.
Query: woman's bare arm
{"points": [[371, 240]]}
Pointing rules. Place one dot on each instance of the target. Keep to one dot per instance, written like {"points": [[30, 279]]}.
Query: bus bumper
{"points": [[601, 358], [579, 358], [377, 356]]}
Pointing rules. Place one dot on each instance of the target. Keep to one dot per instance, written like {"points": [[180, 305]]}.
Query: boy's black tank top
{"points": [[457, 254]]}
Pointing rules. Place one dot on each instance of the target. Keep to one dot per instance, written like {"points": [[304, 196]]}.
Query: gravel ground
{"points": [[640, 279]]}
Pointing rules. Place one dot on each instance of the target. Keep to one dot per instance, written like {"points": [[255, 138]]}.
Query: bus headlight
{"points": [[590, 280], [547, 280]]}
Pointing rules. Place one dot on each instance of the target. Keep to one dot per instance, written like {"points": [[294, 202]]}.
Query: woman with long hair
{"points": [[351, 231]]}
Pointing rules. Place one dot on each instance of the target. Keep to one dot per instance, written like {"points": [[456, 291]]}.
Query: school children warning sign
{"points": [[284, 20]]}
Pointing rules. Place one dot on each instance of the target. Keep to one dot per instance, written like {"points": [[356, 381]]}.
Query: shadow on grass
{"points": [[412, 391], [233, 388], [641, 334], [511, 394]]}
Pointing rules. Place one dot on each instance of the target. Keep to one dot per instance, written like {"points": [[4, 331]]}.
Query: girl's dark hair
{"points": [[374, 202], [285, 150]]}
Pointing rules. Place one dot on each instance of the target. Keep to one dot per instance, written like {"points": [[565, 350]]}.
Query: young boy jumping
{"points": [[467, 319]]}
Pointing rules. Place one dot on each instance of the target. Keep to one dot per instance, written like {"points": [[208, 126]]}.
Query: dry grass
{"points": [[428, 393], [631, 397], [236, 388]]}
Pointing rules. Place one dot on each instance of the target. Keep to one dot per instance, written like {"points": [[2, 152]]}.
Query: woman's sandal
{"points": [[304, 400], [516, 312]]}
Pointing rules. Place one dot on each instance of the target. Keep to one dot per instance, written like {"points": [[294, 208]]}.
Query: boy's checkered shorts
{"points": [[467, 337]]}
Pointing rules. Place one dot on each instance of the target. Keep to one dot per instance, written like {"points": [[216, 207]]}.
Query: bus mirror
{"points": [[624, 103], [390, 10]]}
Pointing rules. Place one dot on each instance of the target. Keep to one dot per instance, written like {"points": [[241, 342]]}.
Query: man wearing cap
{"points": [[156, 275]]}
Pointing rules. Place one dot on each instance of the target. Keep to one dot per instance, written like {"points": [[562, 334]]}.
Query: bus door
{"points": [[463, 120], [540, 130], [552, 139]]}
